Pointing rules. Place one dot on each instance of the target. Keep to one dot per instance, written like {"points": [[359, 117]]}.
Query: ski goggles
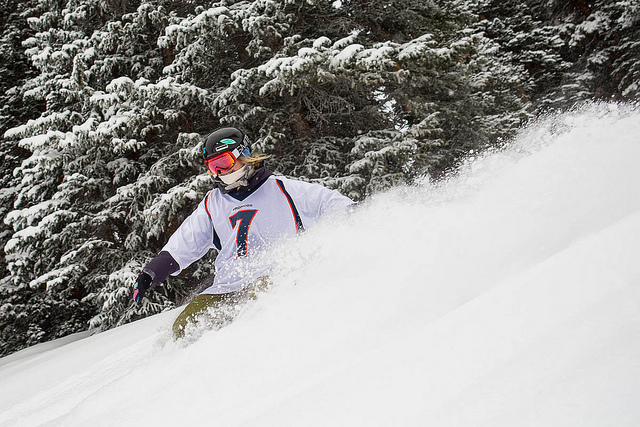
{"points": [[221, 163]]}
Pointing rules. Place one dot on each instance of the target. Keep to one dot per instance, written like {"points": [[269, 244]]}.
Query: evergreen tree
{"points": [[89, 207], [605, 42], [14, 70], [573, 51], [402, 99]]}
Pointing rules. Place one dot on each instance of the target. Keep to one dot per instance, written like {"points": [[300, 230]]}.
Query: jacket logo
{"points": [[241, 206]]}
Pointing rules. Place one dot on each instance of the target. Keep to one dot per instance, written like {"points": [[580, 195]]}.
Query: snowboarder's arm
{"points": [[154, 273], [317, 201], [190, 242], [160, 268]]}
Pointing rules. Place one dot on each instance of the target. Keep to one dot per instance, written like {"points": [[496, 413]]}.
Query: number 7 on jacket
{"points": [[243, 220]]}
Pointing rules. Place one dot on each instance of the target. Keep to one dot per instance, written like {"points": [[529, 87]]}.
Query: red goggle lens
{"points": [[220, 163]]}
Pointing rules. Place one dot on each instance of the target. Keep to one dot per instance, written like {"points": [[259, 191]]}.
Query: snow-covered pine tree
{"points": [[573, 51], [524, 30], [14, 65], [14, 70], [605, 47], [224, 46], [452, 92], [114, 139], [397, 97]]}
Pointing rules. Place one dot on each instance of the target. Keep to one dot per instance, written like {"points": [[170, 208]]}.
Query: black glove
{"points": [[143, 283]]}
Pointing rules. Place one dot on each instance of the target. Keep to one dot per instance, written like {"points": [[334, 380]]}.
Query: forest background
{"points": [[104, 105]]}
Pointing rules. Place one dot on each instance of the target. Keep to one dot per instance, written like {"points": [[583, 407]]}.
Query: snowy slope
{"points": [[509, 295]]}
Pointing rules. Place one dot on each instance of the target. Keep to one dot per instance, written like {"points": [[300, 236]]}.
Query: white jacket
{"points": [[243, 227]]}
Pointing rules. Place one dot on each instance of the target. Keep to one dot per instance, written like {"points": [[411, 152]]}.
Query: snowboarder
{"points": [[248, 210]]}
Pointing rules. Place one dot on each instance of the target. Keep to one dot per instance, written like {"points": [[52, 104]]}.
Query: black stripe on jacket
{"points": [[294, 210]]}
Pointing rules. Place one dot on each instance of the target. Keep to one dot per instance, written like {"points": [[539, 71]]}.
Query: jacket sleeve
{"points": [[160, 267], [315, 201], [192, 240]]}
